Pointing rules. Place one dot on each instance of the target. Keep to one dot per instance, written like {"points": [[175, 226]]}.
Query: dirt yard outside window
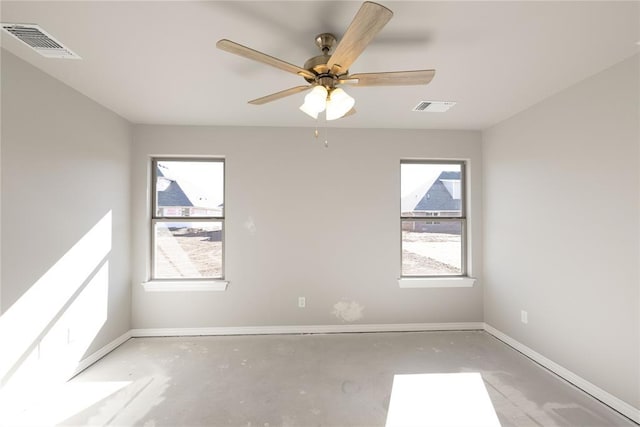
{"points": [[188, 253], [431, 254]]}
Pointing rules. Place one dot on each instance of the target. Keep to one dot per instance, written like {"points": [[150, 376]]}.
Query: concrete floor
{"points": [[310, 380]]}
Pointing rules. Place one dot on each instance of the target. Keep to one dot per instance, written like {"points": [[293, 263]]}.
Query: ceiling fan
{"points": [[326, 72]]}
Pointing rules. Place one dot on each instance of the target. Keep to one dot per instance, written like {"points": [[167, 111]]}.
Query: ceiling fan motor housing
{"points": [[318, 64]]}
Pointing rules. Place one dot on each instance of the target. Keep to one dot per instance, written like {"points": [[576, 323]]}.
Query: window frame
{"points": [[166, 283], [462, 219]]}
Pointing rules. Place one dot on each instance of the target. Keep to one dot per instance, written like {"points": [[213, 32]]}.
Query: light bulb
{"points": [[339, 104], [315, 101]]}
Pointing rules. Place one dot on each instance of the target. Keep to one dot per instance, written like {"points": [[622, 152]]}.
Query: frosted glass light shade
{"points": [[339, 104], [315, 101]]}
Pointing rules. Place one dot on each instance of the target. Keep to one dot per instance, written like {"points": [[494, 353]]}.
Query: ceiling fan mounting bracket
{"points": [[325, 42]]}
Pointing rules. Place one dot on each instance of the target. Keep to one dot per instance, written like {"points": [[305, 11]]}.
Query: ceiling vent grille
{"points": [[39, 40], [434, 106]]}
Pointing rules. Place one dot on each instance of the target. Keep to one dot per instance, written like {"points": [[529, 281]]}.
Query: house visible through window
{"points": [[432, 247], [187, 219]]}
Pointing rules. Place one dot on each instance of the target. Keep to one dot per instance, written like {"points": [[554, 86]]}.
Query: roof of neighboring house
{"points": [[449, 175], [172, 195], [438, 197]]}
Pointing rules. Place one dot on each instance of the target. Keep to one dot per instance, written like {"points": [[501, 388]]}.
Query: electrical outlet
{"points": [[302, 302], [524, 317]]}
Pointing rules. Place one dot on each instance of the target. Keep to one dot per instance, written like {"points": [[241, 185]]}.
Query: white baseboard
{"points": [[306, 329], [590, 388], [94, 357]]}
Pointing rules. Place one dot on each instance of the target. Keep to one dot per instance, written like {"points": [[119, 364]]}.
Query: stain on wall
{"points": [[348, 311], [250, 225]]}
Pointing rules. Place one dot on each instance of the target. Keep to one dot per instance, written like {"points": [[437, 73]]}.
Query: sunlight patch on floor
{"points": [[457, 399], [52, 405]]}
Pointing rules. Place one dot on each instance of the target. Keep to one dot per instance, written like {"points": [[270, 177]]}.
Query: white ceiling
{"points": [[156, 62]]}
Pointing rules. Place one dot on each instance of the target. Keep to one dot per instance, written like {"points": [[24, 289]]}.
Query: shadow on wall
{"points": [[46, 333]]}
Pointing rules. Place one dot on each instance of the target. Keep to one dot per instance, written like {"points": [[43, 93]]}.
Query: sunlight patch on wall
{"points": [[58, 353], [50, 327]]}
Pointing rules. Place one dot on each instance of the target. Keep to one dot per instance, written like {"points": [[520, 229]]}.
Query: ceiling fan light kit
{"points": [[326, 72], [338, 104], [315, 101]]}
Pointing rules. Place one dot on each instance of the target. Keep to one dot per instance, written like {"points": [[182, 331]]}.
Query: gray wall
{"points": [[304, 220], [561, 226], [65, 222]]}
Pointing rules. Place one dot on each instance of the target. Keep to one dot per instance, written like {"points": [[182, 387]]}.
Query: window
{"points": [[187, 219], [432, 218]]}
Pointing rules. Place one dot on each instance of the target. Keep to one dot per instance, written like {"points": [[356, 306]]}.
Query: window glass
{"points": [[431, 248], [431, 189], [189, 189], [188, 250]]}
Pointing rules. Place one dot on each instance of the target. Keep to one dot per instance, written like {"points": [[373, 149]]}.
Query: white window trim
{"points": [[185, 285], [436, 282], [462, 281]]}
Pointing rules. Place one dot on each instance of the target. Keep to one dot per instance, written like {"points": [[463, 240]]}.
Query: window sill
{"points": [[436, 282], [185, 285]]}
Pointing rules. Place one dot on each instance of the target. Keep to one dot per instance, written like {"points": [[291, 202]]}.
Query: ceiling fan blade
{"points": [[247, 52], [278, 95], [394, 78], [365, 25]]}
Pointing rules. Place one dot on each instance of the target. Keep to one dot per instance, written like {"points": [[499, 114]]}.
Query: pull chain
{"points": [[326, 137], [316, 133]]}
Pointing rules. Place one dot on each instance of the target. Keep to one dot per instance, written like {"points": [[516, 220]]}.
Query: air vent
{"points": [[434, 106], [39, 40]]}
